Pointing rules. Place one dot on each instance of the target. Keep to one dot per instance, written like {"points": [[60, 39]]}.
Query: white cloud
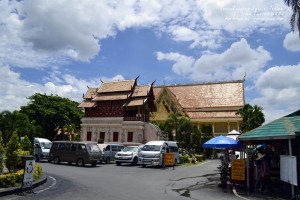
{"points": [[14, 91], [75, 29], [245, 16], [292, 41], [182, 64], [232, 64], [279, 88]]}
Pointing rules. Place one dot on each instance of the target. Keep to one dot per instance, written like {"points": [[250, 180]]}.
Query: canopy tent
{"points": [[283, 128], [221, 142]]}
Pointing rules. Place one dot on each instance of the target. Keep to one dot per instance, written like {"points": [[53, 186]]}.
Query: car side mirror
{"points": [[103, 149], [37, 146]]}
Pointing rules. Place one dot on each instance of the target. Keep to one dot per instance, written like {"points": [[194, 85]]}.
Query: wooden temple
{"points": [[119, 111]]}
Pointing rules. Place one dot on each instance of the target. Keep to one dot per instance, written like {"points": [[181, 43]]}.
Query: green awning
{"points": [[283, 128]]}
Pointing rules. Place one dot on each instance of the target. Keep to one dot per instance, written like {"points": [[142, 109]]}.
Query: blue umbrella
{"points": [[221, 142]]}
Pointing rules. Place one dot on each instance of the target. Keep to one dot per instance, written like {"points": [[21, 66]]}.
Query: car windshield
{"points": [[46, 145], [93, 148], [151, 148], [130, 149]]}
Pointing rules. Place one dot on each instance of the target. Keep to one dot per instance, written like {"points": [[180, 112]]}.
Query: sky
{"points": [[62, 47]]}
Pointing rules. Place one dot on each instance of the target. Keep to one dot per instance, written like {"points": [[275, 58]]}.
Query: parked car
{"points": [[128, 155], [80, 153], [153, 151], [41, 148], [109, 151]]}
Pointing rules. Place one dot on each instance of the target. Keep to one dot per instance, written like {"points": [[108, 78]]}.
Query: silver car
{"points": [[128, 155]]}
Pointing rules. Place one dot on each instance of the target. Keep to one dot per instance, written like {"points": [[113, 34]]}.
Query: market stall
{"points": [[267, 146]]}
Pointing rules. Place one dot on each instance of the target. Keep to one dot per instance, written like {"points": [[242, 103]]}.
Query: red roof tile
{"points": [[87, 104], [116, 86], [212, 95], [91, 93], [112, 96], [141, 91]]}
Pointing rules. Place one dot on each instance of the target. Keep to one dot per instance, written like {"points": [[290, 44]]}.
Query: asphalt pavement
{"points": [[195, 182]]}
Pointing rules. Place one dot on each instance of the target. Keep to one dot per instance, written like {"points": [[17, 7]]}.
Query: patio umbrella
{"points": [[221, 142], [233, 134]]}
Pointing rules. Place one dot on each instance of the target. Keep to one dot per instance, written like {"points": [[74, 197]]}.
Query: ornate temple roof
{"points": [[116, 86], [127, 90], [207, 100]]}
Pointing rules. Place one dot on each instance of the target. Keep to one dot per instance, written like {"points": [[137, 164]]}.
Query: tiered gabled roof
{"points": [[139, 95], [128, 90], [208, 100], [117, 86], [88, 96]]}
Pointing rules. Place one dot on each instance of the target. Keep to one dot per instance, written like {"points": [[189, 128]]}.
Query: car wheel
{"points": [[135, 161], [56, 160], [107, 160], [69, 163], [80, 162], [36, 157], [118, 163], [94, 164], [143, 165]]}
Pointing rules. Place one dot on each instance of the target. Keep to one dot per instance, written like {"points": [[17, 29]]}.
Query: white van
{"points": [[41, 148], [152, 152]]}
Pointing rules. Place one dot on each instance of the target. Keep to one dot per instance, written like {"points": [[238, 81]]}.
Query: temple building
{"points": [[208, 104], [119, 111]]}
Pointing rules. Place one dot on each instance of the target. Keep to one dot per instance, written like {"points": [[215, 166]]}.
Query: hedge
{"points": [[16, 178]]}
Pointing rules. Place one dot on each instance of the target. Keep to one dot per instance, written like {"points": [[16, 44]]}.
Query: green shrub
{"points": [[12, 179], [184, 159], [26, 145], [37, 172], [13, 149]]}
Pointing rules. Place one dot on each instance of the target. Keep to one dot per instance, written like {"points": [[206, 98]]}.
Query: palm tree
{"points": [[15, 121], [185, 132], [253, 117], [295, 18]]}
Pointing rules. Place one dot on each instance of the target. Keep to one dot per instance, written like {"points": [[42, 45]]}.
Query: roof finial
{"points": [[244, 78]]}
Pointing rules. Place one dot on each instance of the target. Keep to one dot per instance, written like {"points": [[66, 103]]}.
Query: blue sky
{"points": [[61, 47]]}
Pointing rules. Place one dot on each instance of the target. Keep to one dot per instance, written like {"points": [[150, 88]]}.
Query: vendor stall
{"points": [[265, 147]]}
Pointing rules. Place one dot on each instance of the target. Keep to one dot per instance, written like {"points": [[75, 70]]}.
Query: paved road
{"points": [[111, 182]]}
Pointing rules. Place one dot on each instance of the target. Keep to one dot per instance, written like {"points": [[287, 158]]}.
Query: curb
{"points": [[19, 189]]}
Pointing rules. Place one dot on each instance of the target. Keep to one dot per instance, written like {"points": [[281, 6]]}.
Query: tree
{"points": [[1, 153], [15, 121], [13, 148], [19, 122], [186, 133], [26, 145], [295, 18], [53, 113], [253, 117]]}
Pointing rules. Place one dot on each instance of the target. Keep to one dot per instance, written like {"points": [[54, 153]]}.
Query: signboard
{"points": [[28, 173], [238, 167], [288, 169], [169, 159]]}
